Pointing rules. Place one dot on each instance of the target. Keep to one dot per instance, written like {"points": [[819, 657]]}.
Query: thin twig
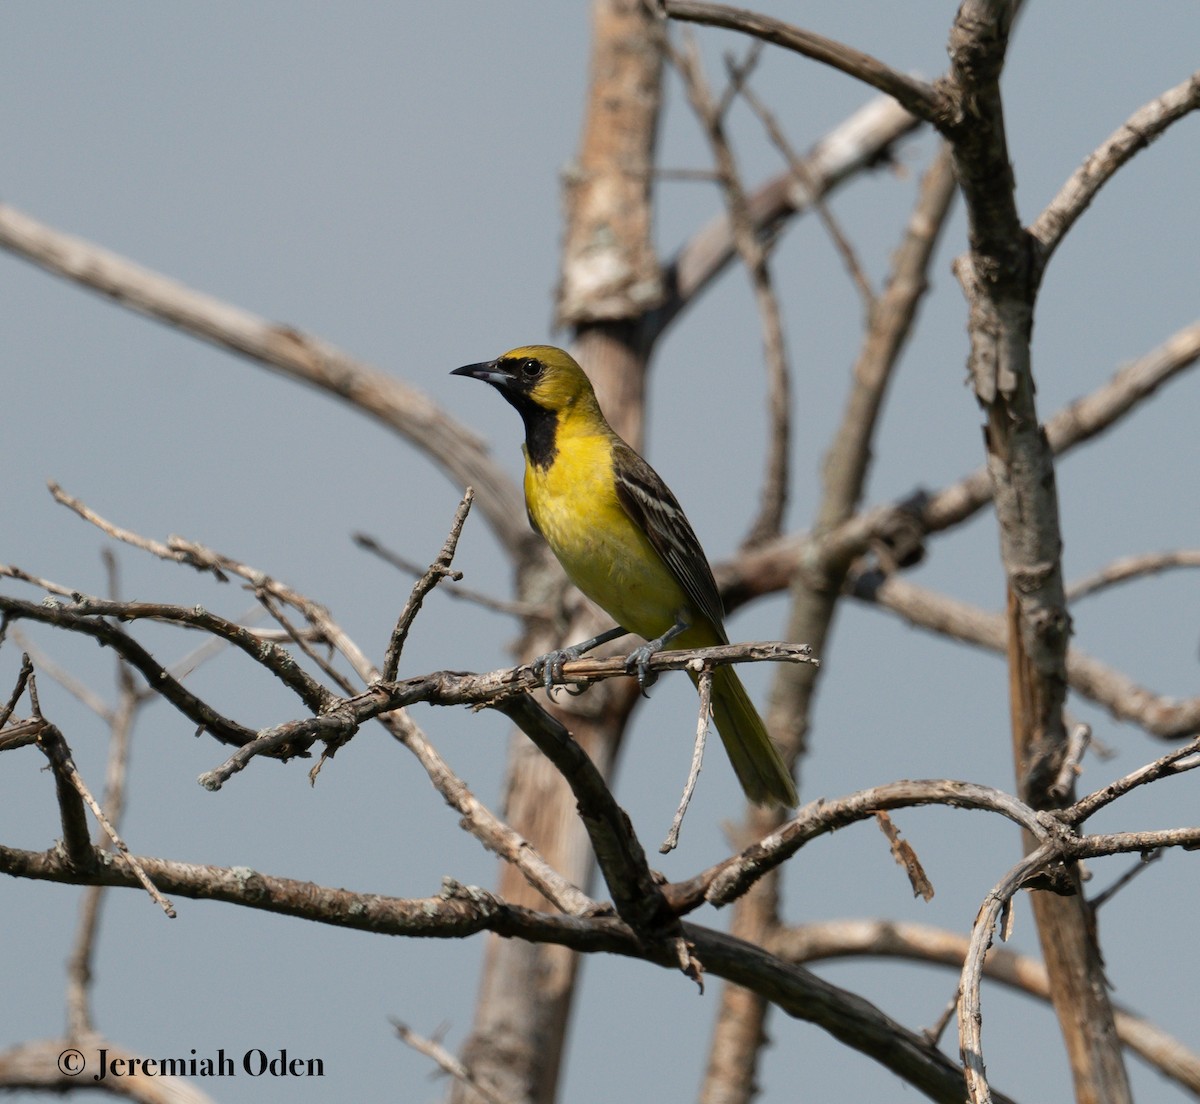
{"points": [[863, 141], [196, 555], [484, 825], [922, 99], [452, 590], [496, 688], [753, 253], [434, 1050], [841, 241], [1135, 134], [890, 324], [738, 73], [1079, 739], [11, 571], [1132, 567], [1177, 761], [79, 690], [1143, 864], [934, 1033], [80, 849], [704, 684], [23, 677], [438, 570], [300, 639]]}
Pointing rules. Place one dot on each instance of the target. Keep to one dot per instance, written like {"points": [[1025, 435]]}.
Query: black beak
{"points": [[486, 370]]}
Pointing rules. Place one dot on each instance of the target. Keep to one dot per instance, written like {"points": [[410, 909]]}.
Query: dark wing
{"points": [[652, 507]]}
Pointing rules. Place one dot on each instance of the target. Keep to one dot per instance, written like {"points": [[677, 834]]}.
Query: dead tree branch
{"points": [[283, 349]]}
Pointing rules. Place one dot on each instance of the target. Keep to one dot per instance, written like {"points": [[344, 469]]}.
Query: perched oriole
{"points": [[623, 540]]}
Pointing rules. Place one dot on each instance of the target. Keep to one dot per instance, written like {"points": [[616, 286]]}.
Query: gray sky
{"points": [[387, 177]]}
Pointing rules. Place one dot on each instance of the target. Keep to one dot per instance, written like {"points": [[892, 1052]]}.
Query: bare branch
{"points": [[438, 570], [305, 641], [1092, 414], [864, 140], [76, 841], [1055, 849], [704, 685], [457, 911], [637, 894], [179, 550], [1123, 843], [922, 99], [1073, 425], [165, 684], [1144, 862], [23, 677], [503, 689], [922, 943], [730, 878], [1134, 135], [844, 470], [281, 348], [1132, 567], [434, 1050], [460, 911], [805, 996], [73, 794], [452, 590], [49, 1065], [1167, 718], [841, 242], [753, 255], [484, 825], [970, 1013], [1174, 762], [271, 656], [11, 571]]}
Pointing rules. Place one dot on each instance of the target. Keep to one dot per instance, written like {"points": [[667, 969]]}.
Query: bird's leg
{"points": [[549, 667], [638, 661]]}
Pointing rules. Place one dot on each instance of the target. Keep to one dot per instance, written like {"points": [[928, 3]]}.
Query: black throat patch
{"points": [[540, 427]]}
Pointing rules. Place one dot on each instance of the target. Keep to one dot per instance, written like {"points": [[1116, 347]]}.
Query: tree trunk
{"points": [[610, 278]]}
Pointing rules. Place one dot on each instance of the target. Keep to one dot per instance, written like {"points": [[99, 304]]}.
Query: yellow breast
{"points": [[573, 503]]}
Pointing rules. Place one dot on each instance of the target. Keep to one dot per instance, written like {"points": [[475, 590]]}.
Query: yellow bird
{"points": [[623, 540]]}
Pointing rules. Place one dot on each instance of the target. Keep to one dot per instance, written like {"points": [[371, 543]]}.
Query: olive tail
{"points": [[756, 761]]}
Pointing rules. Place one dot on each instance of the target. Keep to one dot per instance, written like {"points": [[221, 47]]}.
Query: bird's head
{"points": [[535, 376]]}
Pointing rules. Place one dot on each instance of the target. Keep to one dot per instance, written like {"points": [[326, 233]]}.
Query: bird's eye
{"points": [[530, 368]]}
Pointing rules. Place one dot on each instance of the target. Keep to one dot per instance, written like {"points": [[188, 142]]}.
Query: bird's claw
{"points": [[638, 663], [549, 667]]}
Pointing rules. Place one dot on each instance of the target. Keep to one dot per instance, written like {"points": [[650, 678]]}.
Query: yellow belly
{"points": [[575, 507]]}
